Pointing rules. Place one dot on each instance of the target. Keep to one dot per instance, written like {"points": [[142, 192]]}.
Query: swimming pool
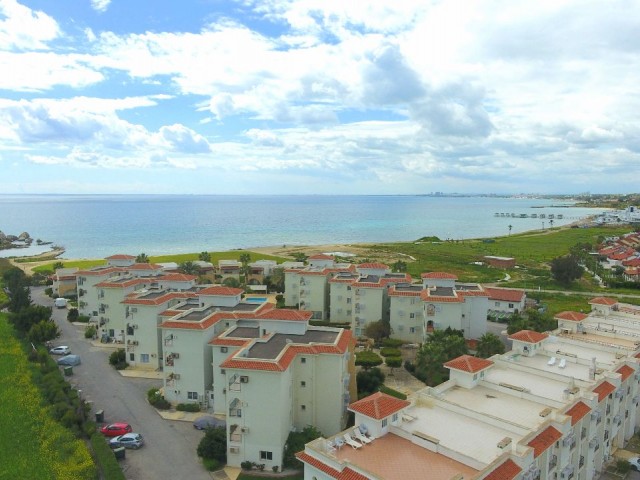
{"points": [[256, 299]]}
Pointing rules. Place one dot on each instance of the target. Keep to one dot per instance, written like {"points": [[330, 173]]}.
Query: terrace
{"points": [[271, 348]]}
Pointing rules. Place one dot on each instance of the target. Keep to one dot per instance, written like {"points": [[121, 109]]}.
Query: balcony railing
{"points": [[553, 462]]}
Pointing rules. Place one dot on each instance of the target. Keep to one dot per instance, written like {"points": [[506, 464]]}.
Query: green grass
{"points": [[32, 444]]}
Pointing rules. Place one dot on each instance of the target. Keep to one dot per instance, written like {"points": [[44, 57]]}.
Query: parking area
{"points": [[170, 446]]}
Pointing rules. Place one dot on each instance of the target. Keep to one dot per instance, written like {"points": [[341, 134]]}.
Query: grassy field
{"points": [[32, 444]]}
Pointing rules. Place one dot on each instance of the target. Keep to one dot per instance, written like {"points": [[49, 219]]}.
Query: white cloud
{"points": [[24, 29], [100, 5]]}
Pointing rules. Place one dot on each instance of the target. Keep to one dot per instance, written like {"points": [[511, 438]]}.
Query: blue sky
{"points": [[319, 96]]}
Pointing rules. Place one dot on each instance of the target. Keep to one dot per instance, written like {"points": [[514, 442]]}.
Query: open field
{"points": [[32, 444]]}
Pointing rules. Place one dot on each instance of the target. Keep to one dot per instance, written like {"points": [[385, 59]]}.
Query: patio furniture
{"points": [[360, 437], [563, 363], [350, 441], [552, 361]]}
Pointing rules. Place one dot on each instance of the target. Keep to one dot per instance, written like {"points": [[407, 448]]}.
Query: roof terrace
{"points": [[271, 348]]}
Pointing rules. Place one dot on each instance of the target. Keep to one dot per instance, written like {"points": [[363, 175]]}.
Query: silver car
{"points": [[128, 440], [61, 350]]}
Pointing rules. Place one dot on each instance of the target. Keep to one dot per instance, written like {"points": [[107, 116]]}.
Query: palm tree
{"points": [[142, 258], [550, 223], [245, 258], [488, 345], [510, 227], [189, 268], [399, 266], [204, 256]]}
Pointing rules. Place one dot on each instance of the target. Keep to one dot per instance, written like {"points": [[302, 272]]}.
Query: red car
{"points": [[115, 429]]}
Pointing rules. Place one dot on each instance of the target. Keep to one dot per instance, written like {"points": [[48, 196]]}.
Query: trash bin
{"points": [[68, 371], [100, 416], [119, 453]]}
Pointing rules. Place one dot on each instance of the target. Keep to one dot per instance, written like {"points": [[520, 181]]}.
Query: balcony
{"points": [[553, 462], [235, 408], [235, 433]]}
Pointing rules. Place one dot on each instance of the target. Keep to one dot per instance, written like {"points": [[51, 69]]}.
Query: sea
{"points": [[96, 226]]}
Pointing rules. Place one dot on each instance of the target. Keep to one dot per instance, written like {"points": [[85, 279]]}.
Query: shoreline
{"points": [[354, 250]]}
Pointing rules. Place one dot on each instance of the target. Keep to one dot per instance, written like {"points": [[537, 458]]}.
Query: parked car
{"points": [[207, 421], [61, 350], [128, 440], [60, 302], [635, 463], [116, 429], [69, 360]]}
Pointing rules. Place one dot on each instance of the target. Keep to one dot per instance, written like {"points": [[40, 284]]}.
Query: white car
{"points": [[635, 463], [61, 350], [128, 440]]}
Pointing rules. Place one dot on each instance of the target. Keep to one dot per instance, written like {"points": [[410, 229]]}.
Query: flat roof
{"points": [[198, 315], [408, 288], [470, 436], [394, 458], [441, 292], [271, 348], [244, 332], [152, 295]]}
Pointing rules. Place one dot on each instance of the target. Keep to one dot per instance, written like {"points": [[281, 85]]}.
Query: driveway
{"points": [[170, 449]]}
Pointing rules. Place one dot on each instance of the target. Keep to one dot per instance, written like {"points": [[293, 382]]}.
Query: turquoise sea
{"points": [[96, 226]]}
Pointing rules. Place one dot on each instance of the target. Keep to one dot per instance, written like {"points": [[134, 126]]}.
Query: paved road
{"points": [[170, 450]]}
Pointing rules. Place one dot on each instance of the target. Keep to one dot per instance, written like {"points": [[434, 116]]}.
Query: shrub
{"points": [[83, 319], [392, 392], [623, 466], [118, 359], [390, 352], [409, 367], [105, 458], [157, 400], [90, 331], [48, 291], [188, 407], [368, 359], [72, 315], [246, 465], [392, 342], [275, 469]]}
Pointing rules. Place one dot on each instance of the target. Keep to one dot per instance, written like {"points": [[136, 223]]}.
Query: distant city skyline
{"points": [[319, 97]]}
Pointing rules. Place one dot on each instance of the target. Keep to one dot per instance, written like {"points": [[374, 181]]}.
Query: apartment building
{"points": [[439, 302], [277, 374], [64, 282], [554, 407], [308, 286], [361, 297], [88, 295]]}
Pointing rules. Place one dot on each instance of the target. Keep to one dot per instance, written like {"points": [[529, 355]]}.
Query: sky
{"points": [[319, 96]]}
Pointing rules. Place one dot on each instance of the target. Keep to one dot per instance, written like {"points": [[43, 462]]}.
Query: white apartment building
{"points": [[308, 287], [88, 295], [64, 281], [120, 260], [362, 298], [278, 374], [553, 408], [440, 302]]}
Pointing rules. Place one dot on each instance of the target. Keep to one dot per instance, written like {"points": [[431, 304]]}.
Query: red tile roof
{"points": [[468, 363], [439, 275], [134, 300], [289, 353], [103, 270], [378, 405], [221, 291], [233, 342], [626, 371], [578, 411], [544, 440], [177, 277], [399, 293], [603, 301], [528, 336], [144, 266], [604, 389], [350, 474], [286, 314], [505, 294], [314, 462], [121, 257], [111, 283], [572, 316], [427, 296], [377, 266], [507, 470]]}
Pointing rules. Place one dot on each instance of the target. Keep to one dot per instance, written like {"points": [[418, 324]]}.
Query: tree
{"points": [[377, 330], [276, 279], [440, 347], [245, 258], [231, 282], [204, 257], [72, 315], [489, 344], [29, 316], [300, 257], [43, 331], [510, 227], [369, 381], [295, 443], [214, 444], [58, 266], [368, 359], [142, 258], [118, 359], [393, 362], [399, 266], [515, 323], [189, 268], [566, 269], [20, 298]]}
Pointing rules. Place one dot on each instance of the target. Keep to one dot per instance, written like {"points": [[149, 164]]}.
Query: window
{"points": [[412, 329], [144, 357], [264, 455], [394, 418], [384, 423], [132, 357], [497, 304], [348, 300], [192, 395], [303, 384], [303, 407], [511, 305], [412, 315], [475, 377], [303, 360]]}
